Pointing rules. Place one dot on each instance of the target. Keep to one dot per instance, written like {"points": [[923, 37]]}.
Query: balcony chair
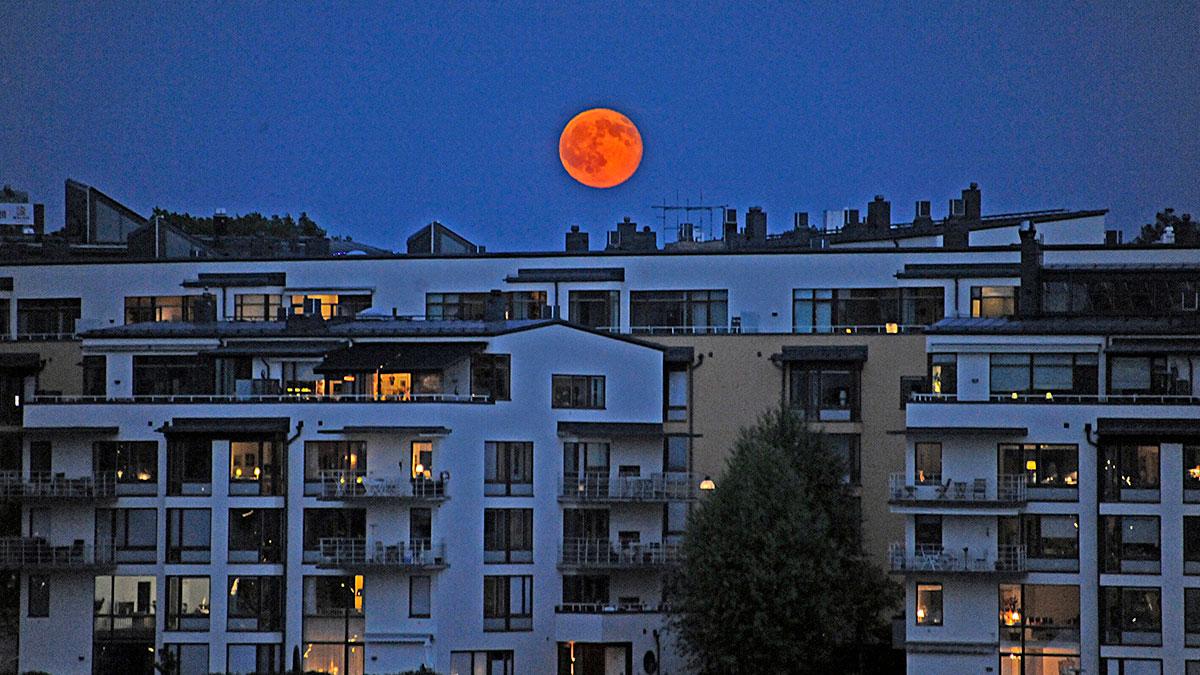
{"points": [[943, 488], [979, 489]]}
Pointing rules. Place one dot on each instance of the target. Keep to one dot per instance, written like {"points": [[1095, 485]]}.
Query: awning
{"points": [[963, 431], [857, 353], [1166, 427], [397, 356], [236, 279], [611, 429], [553, 274], [679, 355], [408, 430], [89, 431], [227, 425], [1154, 346], [277, 348], [21, 362]]}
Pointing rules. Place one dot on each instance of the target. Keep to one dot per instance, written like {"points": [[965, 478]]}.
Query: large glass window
{"points": [[257, 307], [173, 375], [1130, 545], [928, 463], [816, 310], [147, 308], [187, 603], [929, 604], [993, 301], [490, 376], [1191, 618], [1044, 374], [492, 662], [1039, 628], [189, 658], [1131, 615], [38, 599], [508, 535], [131, 535], [333, 624], [674, 311], [189, 533], [825, 391], [677, 392], [1163, 375], [586, 461], [846, 448], [1051, 470], [255, 603], [341, 465], [595, 309], [1191, 473], [95, 375], [255, 535], [189, 465], [577, 391], [1129, 472], [47, 318], [1052, 537], [420, 597], [255, 467], [508, 603], [508, 468], [332, 304], [134, 463], [943, 374], [1191, 544], [254, 659], [124, 607], [471, 306], [331, 524]]}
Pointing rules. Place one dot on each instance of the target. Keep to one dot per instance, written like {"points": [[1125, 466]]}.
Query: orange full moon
{"points": [[600, 148]]}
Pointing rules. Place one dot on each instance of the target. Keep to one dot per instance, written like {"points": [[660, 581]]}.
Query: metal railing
{"points": [[927, 558], [603, 553], [37, 553], [609, 608], [265, 398], [657, 487], [348, 484], [1052, 398], [356, 553], [1005, 488], [44, 484]]}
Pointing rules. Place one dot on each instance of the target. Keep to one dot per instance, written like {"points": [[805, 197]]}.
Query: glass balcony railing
{"points": [[35, 553], [1003, 489], [354, 553], [47, 485], [349, 485], [657, 487], [604, 554], [926, 558]]}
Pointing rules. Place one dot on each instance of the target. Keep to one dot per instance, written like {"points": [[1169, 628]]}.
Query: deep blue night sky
{"points": [[377, 119]]}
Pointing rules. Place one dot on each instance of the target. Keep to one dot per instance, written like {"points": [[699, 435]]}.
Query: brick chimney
{"points": [[577, 242], [1029, 301]]}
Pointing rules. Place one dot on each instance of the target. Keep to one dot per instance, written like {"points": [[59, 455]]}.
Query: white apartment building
{"points": [[470, 496], [1052, 482]]}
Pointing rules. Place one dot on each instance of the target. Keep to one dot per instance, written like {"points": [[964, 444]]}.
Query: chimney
{"points": [[39, 221], [220, 223], [1113, 237], [625, 229], [494, 307], [956, 209], [972, 202], [1029, 301], [800, 220], [729, 229], [756, 224], [577, 242], [924, 213], [850, 219], [879, 214]]}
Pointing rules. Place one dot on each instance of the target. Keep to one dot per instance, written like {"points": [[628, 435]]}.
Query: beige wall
{"points": [[737, 381], [61, 371]]}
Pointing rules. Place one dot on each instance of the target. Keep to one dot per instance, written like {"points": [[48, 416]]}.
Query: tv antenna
{"points": [[686, 209]]}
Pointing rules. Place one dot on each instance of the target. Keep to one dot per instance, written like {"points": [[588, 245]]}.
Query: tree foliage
{"points": [[249, 224], [1187, 231], [774, 577]]}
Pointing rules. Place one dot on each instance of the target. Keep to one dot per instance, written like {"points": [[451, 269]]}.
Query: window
{"points": [[909, 385], [189, 465], [507, 603], [677, 454], [131, 534], [422, 460], [508, 535], [1191, 473], [578, 391], [254, 658], [584, 589], [472, 306], [1051, 471], [257, 307], [928, 463], [491, 662], [1039, 628], [333, 624], [332, 304], [135, 464], [187, 603], [38, 603], [47, 318], [993, 301], [255, 603], [1052, 537], [1191, 544], [191, 658], [174, 375], [189, 532], [677, 393], [927, 534], [490, 375], [669, 311], [595, 309], [95, 376], [508, 468], [1131, 615], [586, 461], [339, 464], [255, 535], [1169, 375], [929, 604], [1191, 618], [124, 607], [1129, 473], [943, 374], [255, 467], [825, 391], [41, 454], [420, 528], [812, 310], [147, 308], [846, 448], [1044, 373], [419, 597], [870, 309], [331, 524], [589, 524]]}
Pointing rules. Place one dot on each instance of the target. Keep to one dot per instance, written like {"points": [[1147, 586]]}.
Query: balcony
{"points": [[1052, 398], [655, 488], [604, 554], [353, 485], [610, 608], [353, 553], [35, 553], [1004, 490], [56, 399], [1006, 559], [47, 485]]}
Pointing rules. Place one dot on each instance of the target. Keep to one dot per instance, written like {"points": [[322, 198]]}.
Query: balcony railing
{"points": [[35, 553], [47, 485], [263, 398], [1005, 489], [347, 485], [925, 558], [1052, 398], [604, 554], [355, 553], [609, 608], [657, 487]]}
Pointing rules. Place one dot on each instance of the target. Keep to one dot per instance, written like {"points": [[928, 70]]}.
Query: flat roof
{"points": [[1089, 325]]}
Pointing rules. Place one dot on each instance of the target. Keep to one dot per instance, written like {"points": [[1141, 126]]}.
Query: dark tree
{"points": [[1187, 231], [249, 224], [774, 577]]}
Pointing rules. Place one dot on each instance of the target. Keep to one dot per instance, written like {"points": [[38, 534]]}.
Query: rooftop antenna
{"points": [[686, 209]]}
